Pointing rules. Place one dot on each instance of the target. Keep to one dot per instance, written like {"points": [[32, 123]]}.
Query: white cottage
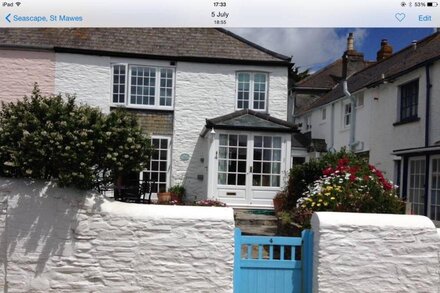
{"points": [[214, 103], [387, 111]]}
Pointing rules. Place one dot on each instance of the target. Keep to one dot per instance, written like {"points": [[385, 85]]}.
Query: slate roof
{"points": [[325, 78], [305, 140], [402, 62], [192, 44], [250, 120]]}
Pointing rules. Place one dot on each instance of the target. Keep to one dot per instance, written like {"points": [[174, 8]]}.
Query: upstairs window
{"points": [[308, 122], [252, 90], [145, 86], [347, 115], [409, 99], [323, 114]]}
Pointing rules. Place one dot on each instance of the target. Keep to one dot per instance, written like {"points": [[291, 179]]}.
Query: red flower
{"points": [[328, 171], [343, 162]]}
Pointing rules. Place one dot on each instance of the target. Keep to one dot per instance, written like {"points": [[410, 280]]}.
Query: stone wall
{"points": [[63, 240], [375, 253]]}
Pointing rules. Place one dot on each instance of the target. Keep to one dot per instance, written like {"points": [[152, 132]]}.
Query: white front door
{"points": [[250, 168]]}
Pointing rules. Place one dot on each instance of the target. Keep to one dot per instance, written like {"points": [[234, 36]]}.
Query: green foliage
{"points": [[177, 189], [54, 138], [300, 177]]}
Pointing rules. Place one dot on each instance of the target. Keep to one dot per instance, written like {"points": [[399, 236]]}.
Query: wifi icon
{"points": [[18, 3]]}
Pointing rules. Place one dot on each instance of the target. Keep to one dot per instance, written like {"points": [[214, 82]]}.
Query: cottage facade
{"points": [[213, 103]]}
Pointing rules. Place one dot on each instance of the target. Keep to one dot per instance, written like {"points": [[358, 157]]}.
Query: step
{"points": [[258, 230], [251, 223]]}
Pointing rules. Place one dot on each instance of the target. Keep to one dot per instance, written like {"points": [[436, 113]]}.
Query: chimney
{"points": [[352, 60], [385, 50], [414, 44]]}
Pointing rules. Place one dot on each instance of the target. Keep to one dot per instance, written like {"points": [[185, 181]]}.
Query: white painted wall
{"points": [[205, 91], [375, 253], [321, 129], [64, 240], [87, 77], [384, 137]]}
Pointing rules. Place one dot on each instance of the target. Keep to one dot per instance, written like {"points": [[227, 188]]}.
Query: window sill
{"points": [[406, 121], [134, 107]]}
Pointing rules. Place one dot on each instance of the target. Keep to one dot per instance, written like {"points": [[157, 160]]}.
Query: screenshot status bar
{"points": [[222, 13]]}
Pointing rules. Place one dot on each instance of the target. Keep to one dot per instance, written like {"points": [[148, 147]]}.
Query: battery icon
{"points": [[432, 4]]}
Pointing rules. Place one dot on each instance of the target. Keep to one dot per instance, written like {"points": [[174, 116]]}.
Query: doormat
{"points": [[262, 212]]}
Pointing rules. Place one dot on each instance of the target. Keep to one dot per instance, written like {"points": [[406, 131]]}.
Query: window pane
{"points": [[258, 141], [242, 166], [119, 83], [221, 178], [143, 81], [241, 179], [243, 87], [409, 100]]}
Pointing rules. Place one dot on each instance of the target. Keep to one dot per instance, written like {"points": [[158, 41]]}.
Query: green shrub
{"points": [[52, 138]]}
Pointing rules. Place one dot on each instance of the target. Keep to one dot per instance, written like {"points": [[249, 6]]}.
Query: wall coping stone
{"points": [[332, 219]]}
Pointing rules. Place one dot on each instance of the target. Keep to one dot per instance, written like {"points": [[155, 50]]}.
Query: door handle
{"points": [[250, 169]]}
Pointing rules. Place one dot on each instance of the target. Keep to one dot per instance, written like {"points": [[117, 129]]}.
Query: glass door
{"points": [[434, 198]]}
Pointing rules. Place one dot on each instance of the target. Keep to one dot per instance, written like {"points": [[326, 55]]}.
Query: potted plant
{"points": [[279, 201], [177, 192], [163, 197]]}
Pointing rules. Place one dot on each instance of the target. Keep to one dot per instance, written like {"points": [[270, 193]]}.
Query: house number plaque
{"points": [[184, 157]]}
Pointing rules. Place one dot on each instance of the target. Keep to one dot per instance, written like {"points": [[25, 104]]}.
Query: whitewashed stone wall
{"points": [[61, 240], [375, 253]]}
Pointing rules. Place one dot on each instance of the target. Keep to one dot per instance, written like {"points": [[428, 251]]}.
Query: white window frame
{"points": [[127, 101], [251, 90], [168, 174], [360, 97], [344, 114], [324, 114], [420, 158], [308, 123], [113, 82]]}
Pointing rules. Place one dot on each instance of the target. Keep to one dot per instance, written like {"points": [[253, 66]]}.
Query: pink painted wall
{"points": [[20, 69]]}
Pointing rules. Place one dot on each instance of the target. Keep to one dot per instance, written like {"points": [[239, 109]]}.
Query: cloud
{"points": [[310, 47]]}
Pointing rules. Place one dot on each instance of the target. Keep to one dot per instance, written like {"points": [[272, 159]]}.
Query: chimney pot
{"points": [[350, 42], [414, 44], [385, 50], [352, 60]]}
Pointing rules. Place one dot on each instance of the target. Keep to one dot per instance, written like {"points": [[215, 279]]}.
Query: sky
{"points": [[314, 48]]}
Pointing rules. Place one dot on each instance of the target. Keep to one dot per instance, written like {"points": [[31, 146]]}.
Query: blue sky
{"points": [[397, 37], [315, 47]]}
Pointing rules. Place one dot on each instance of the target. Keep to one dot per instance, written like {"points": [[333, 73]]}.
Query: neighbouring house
{"points": [[214, 103], [387, 111]]}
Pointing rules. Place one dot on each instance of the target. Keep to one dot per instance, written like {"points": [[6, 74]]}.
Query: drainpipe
{"points": [[352, 143], [331, 148], [427, 118]]}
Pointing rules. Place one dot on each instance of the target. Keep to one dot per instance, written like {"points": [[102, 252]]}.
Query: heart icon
{"points": [[400, 16]]}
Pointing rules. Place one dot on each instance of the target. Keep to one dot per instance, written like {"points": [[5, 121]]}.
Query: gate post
{"points": [[307, 261], [237, 256]]}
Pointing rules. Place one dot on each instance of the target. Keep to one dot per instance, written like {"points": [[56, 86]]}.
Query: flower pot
{"points": [[176, 197], [163, 197], [278, 204]]}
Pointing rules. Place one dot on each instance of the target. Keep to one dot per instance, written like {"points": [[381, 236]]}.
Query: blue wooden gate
{"points": [[273, 264]]}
